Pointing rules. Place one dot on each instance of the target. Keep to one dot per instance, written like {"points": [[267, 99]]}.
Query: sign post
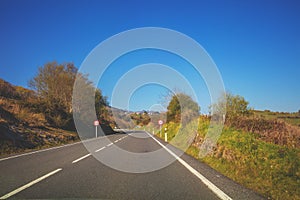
{"points": [[160, 122], [96, 123]]}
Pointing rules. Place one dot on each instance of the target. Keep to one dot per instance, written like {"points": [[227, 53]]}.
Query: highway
{"points": [[71, 171]]}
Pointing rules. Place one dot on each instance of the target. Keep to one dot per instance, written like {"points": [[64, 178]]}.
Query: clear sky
{"points": [[255, 44]]}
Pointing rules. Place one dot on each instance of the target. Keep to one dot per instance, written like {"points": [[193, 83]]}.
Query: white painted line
{"points": [[30, 184], [109, 144], [100, 149], [83, 157], [33, 152], [52, 148], [222, 195]]}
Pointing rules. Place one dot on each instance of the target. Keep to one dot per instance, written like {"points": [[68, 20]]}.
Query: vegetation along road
{"points": [[72, 172]]}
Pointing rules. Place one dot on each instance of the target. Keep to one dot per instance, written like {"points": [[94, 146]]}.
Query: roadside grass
{"points": [[172, 130], [269, 169]]}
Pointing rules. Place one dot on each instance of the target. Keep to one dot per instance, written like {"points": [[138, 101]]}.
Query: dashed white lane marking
{"points": [[118, 140], [100, 149], [222, 195], [51, 173], [109, 144], [81, 158], [29, 184]]}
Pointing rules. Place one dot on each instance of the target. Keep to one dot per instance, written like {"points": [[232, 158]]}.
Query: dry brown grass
{"points": [[23, 129], [14, 113], [274, 131]]}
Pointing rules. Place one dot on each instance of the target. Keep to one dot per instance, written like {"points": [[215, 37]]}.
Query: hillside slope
{"points": [[23, 128]]}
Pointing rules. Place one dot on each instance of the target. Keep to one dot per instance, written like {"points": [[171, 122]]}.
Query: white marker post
{"points": [[159, 130], [96, 123], [160, 122], [166, 135]]}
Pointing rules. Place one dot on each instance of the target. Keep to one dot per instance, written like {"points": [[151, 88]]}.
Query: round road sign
{"points": [[96, 123]]}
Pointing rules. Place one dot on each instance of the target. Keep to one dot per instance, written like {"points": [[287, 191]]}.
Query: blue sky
{"points": [[255, 44]]}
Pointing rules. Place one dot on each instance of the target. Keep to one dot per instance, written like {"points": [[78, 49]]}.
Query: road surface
{"points": [[73, 172]]}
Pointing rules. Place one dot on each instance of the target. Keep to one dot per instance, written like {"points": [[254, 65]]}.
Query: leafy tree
{"points": [[182, 108], [234, 105], [145, 118], [141, 119], [174, 110], [136, 118], [101, 107]]}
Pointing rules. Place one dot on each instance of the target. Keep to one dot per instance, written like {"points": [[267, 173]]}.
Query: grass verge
{"points": [[269, 169]]}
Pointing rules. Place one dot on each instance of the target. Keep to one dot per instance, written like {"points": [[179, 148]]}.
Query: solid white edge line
{"points": [[109, 144], [48, 149], [222, 195], [38, 151], [83, 157], [29, 184], [100, 149]]}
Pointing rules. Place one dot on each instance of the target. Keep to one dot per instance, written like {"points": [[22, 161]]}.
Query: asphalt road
{"points": [[73, 172]]}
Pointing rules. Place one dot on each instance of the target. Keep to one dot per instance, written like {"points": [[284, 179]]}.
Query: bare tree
{"points": [[54, 87]]}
